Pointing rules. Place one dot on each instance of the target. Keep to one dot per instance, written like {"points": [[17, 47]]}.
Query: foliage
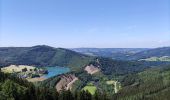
{"points": [[138, 82], [152, 84], [14, 88], [49, 83], [117, 67]]}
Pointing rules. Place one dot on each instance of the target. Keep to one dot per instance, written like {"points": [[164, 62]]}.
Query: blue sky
{"points": [[85, 23]]}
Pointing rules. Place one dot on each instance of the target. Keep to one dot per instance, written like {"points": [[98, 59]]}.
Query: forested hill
{"points": [[157, 52], [151, 84], [48, 56], [42, 56]]}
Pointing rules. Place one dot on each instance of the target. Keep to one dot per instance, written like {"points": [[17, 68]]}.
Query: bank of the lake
{"points": [[52, 71]]}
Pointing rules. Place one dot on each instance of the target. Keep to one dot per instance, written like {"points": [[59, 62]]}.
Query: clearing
{"points": [[91, 88]]}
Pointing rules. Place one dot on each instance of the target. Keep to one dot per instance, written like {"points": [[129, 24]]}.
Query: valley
{"points": [[86, 74], [84, 49]]}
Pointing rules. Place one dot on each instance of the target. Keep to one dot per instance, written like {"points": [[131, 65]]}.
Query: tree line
{"points": [[14, 88]]}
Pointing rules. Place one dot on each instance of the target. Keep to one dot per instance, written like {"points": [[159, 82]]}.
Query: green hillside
{"points": [[152, 84], [48, 56], [43, 56], [138, 80]]}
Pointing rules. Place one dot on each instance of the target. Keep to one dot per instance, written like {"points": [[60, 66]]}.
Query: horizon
{"points": [[85, 24], [84, 47]]}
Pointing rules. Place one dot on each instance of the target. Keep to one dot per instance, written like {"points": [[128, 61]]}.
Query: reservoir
{"points": [[53, 71]]}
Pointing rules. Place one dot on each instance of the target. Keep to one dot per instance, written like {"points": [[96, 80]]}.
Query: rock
{"points": [[91, 69]]}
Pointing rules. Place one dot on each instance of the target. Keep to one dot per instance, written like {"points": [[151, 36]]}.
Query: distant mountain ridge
{"points": [[115, 53], [43, 56], [125, 53]]}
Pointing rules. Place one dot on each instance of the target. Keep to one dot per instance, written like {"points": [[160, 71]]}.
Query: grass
{"points": [[91, 88]]}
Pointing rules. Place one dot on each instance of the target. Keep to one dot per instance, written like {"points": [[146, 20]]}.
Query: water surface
{"points": [[53, 71]]}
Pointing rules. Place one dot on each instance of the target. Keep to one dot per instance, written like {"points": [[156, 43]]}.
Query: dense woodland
{"points": [[119, 67], [14, 88], [152, 84]]}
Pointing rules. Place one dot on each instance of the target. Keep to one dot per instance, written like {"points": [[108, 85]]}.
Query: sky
{"points": [[85, 23]]}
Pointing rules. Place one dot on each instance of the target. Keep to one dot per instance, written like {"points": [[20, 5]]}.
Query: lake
{"points": [[53, 71]]}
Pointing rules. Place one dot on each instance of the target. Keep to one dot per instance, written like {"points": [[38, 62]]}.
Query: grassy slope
{"points": [[91, 88]]}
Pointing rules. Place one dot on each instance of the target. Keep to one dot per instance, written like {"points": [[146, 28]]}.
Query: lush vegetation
{"points": [[135, 80], [49, 83], [43, 56], [152, 84], [116, 67], [49, 56], [14, 88]]}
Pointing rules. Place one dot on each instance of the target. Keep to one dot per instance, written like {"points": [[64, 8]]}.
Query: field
{"points": [[16, 68], [91, 88], [163, 58]]}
